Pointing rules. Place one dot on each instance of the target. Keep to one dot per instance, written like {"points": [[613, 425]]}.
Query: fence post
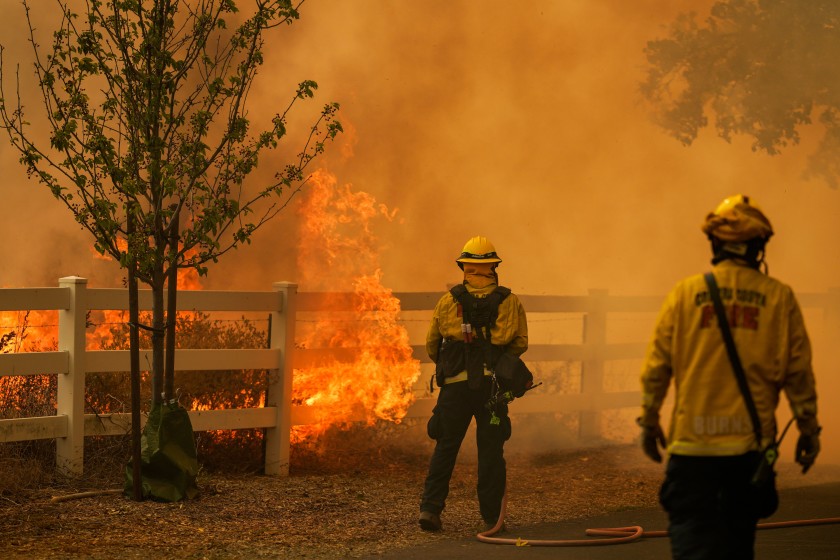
{"points": [[69, 453], [592, 369], [279, 392]]}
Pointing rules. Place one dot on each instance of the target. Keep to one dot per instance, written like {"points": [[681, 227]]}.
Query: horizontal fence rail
{"points": [[73, 299]]}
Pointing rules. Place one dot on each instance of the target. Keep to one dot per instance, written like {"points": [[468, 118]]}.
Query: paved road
{"points": [[816, 542]]}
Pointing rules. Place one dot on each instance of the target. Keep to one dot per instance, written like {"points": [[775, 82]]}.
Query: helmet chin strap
{"points": [[749, 252], [763, 264]]}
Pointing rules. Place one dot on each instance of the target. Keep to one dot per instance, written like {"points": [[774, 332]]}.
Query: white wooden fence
{"points": [[72, 361]]}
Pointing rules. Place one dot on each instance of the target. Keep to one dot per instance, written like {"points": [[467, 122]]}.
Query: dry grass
{"points": [[356, 495]]}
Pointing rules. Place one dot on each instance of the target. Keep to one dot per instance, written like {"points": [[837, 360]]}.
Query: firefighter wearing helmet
{"points": [[472, 325], [712, 440], [738, 230]]}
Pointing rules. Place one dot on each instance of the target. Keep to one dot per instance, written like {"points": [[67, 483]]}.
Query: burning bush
{"points": [[197, 390], [27, 396], [338, 255]]}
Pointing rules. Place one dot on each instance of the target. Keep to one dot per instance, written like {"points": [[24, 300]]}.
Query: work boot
{"points": [[430, 521]]}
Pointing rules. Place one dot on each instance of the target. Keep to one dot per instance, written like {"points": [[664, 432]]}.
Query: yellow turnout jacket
{"points": [[709, 415], [510, 330]]}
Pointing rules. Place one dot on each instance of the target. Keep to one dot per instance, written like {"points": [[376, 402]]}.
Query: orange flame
{"points": [[28, 331], [37, 331], [339, 253]]}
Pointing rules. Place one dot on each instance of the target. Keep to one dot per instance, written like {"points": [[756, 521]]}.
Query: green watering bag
{"points": [[168, 462]]}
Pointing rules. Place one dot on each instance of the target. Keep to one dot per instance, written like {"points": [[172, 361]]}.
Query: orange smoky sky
{"points": [[518, 121]]}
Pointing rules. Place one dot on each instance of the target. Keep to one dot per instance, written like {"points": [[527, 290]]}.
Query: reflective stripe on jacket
{"points": [[510, 330], [709, 415]]}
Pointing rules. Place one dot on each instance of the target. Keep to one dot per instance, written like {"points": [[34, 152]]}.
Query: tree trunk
{"points": [[134, 354], [157, 334], [171, 313]]}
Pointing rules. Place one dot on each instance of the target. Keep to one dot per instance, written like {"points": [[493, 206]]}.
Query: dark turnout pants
{"points": [[457, 405], [710, 512]]}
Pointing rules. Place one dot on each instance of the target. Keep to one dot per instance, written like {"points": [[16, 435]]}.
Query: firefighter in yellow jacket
{"points": [[711, 442], [471, 326]]}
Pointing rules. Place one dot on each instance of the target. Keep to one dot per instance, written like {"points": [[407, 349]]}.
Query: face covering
{"points": [[480, 275]]}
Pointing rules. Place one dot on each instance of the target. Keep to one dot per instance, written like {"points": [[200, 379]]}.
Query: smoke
{"points": [[518, 122]]}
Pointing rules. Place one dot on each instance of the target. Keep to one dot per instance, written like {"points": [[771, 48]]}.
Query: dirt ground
{"points": [[353, 502]]}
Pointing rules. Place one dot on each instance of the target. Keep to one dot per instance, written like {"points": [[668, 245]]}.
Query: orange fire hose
{"points": [[619, 535]]}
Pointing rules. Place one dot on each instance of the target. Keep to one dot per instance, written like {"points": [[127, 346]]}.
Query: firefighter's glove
{"points": [[807, 449], [652, 439]]}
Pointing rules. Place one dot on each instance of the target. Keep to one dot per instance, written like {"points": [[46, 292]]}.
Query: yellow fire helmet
{"points": [[737, 219], [478, 250]]}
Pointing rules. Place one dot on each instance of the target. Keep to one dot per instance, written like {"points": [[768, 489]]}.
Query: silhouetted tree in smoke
{"points": [[762, 68], [147, 124]]}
